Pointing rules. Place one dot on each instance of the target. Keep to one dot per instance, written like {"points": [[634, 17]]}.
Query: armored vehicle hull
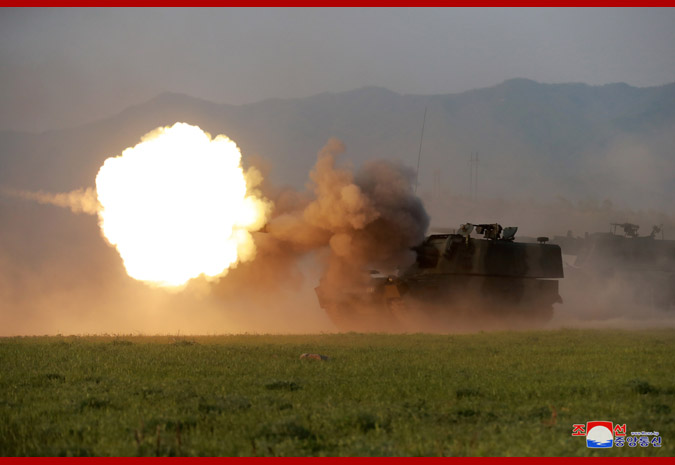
{"points": [[457, 281], [636, 269]]}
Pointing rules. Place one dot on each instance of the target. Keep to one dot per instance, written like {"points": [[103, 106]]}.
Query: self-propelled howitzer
{"points": [[455, 277], [627, 267]]}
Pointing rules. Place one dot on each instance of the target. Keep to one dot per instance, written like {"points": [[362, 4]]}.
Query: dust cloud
{"points": [[619, 295], [346, 223], [58, 276], [63, 277]]}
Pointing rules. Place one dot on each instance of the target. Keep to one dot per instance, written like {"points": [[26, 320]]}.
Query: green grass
{"points": [[486, 394]]}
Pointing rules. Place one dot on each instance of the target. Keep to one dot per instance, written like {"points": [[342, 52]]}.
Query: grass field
{"points": [[485, 394]]}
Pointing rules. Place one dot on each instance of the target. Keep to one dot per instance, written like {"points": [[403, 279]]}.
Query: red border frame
{"points": [[332, 460], [343, 3], [325, 460], [328, 3]]}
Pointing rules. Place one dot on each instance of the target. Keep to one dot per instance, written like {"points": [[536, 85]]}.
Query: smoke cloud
{"points": [[370, 218], [346, 223], [78, 201]]}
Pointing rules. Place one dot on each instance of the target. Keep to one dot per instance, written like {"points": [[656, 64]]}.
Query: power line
{"points": [[419, 155], [473, 175], [475, 182]]}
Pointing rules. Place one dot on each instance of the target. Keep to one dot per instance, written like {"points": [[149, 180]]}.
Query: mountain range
{"points": [[552, 158], [538, 140]]}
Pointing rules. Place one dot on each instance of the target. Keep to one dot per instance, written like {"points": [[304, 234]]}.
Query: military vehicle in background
{"points": [[638, 268], [457, 278]]}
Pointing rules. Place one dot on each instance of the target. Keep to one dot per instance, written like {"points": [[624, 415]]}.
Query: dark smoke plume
{"points": [[354, 222]]}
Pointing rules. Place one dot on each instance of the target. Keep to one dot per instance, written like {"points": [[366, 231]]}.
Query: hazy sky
{"points": [[63, 67]]}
